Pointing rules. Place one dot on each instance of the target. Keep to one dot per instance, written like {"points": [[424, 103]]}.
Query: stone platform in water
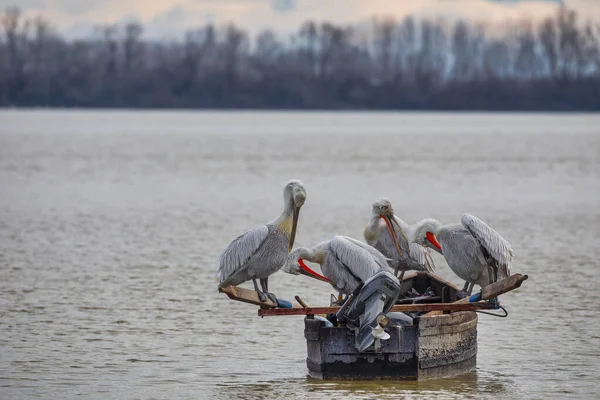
{"points": [[440, 343], [436, 346]]}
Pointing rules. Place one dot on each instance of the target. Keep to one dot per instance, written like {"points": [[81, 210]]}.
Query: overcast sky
{"points": [[170, 17]]}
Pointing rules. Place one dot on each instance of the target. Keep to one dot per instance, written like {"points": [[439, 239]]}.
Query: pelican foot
{"points": [[272, 297], [461, 294], [261, 296]]}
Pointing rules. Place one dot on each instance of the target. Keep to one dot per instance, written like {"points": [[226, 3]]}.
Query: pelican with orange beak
{"points": [[345, 262], [261, 251], [474, 251], [389, 234]]}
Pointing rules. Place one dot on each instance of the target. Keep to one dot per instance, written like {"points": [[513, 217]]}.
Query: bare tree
{"points": [[380, 63], [15, 79], [590, 58], [132, 47], [308, 48], [383, 49], [109, 63], [462, 66], [569, 43], [268, 52], [407, 55], [234, 47], [526, 63], [548, 41], [496, 60], [431, 58]]}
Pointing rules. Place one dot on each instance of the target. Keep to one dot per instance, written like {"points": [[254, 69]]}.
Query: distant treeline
{"points": [[381, 64]]}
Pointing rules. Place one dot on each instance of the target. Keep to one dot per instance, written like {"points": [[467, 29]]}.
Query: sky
{"points": [[164, 18]]}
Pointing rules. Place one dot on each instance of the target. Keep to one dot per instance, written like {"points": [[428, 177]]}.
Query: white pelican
{"points": [[474, 251], [389, 234], [262, 251], [345, 262]]}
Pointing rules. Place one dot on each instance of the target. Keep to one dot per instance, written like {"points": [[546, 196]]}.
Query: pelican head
{"points": [[294, 196], [295, 265], [425, 234], [383, 209]]}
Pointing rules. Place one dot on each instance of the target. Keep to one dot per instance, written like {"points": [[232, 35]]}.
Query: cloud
{"points": [[173, 17], [283, 5], [522, 1], [167, 17]]}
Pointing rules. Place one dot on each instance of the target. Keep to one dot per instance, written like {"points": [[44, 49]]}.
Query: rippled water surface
{"points": [[110, 223]]}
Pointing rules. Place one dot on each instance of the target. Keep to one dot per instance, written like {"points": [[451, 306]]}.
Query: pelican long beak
{"points": [[294, 226], [304, 270], [388, 222], [433, 243]]}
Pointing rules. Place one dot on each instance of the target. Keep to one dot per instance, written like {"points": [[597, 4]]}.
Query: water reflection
{"points": [[472, 385]]}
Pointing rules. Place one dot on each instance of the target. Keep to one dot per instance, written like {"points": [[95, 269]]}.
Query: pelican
{"points": [[474, 251], [391, 239], [262, 251], [345, 262]]}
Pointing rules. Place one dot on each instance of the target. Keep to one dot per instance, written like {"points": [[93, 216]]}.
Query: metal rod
{"points": [[397, 308]]}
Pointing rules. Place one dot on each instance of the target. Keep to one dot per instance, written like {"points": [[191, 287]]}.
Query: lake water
{"points": [[110, 223]]}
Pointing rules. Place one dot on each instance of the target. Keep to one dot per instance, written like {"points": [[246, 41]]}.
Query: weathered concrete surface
{"points": [[438, 346], [447, 345], [332, 354]]}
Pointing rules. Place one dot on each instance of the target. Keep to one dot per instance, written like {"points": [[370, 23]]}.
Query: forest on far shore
{"points": [[381, 64]]}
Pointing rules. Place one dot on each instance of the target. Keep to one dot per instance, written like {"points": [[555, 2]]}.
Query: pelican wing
{"points": [[237, 254], [422, 255], [379, 258], [354, 261], [496, 246]]}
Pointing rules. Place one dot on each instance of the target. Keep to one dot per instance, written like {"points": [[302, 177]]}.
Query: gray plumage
{"points": [[474, 251], [257, 254], [413, 256], [261, 251], [344, 260], [499, 251]]}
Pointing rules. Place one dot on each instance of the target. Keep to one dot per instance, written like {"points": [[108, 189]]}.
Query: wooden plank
{"points": [[433, 314], [411, 275], [488, 292], [397, 308], [446, 319], [247, 296], [438, 279], [301, 302], [447, 329], [505, 285], [496, 289]]}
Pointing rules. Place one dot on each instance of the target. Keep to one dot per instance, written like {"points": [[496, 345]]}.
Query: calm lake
{"points": [[111, 222]]}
